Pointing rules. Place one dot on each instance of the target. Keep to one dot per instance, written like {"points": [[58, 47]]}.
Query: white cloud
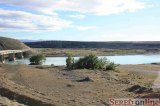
{"points": [[27, 21], [77, 16], [96, 7], [49, 19]]}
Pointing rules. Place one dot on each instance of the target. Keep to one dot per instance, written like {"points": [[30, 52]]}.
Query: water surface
{"points": [[125, 59]]}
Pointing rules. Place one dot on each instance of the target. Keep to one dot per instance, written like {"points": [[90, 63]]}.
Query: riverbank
{"points": [[57, 86], [52, 52]]}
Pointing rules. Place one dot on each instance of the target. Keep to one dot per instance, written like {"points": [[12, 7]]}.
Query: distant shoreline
{"points": [[54, 52]]}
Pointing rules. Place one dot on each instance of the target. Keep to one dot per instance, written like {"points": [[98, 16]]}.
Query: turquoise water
{"points": [[125, 59]]}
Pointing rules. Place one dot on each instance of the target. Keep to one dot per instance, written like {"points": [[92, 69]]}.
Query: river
{"points": [[124, 59]]}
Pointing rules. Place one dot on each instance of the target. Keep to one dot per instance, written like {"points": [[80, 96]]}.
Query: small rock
{"points": [[84, 79], [70, 85], [138, 89], [133, 88]]}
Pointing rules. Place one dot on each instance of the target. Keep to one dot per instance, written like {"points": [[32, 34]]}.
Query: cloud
{"points": [[48, 18], [77, 16], [27, 21], [95, 7]]}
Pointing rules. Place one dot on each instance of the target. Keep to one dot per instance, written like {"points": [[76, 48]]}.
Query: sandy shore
{"points": [[49, 86]]}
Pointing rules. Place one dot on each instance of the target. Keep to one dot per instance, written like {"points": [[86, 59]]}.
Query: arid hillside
{"points": [[11, 44]]}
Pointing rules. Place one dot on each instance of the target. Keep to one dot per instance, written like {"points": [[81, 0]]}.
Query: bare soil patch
{"points": [[56, 86]]}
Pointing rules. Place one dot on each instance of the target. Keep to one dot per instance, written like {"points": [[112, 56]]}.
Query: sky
{"points": [[81, 20]]}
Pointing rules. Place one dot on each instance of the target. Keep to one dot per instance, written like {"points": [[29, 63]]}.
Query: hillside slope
{"points": [[11, 44], [107, 45]]}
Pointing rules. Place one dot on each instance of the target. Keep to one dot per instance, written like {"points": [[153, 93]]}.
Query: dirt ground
{"points": [[56, 86]]}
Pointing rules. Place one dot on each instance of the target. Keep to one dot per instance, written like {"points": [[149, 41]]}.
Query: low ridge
{"points": [[11, 44]]}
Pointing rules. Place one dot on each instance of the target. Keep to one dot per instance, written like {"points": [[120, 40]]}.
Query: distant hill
{"points": [[28, 40], [108, 45], [11, 44]]}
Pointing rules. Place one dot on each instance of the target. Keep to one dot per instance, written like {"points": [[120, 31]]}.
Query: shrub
{"points": [[69, 62], [52, 65], [90, 62], [111, 66], [37, 59]]}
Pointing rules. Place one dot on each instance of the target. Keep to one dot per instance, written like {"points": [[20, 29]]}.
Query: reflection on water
{"points": [[125, 59], [19, 61]]}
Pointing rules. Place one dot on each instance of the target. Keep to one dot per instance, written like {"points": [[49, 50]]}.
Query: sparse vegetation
{"points": [[85, 51], [11, 44], [37, 59]]}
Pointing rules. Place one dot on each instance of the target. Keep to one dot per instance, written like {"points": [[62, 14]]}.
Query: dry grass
{"points": [[11, 44], [83, 52]]}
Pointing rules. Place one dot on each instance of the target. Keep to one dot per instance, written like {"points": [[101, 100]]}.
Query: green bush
{"points": [[111, 66], [90, 62], [70, 62], [37, 59]]}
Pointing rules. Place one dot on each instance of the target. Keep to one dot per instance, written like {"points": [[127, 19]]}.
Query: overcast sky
{"points": [[86, 20]]}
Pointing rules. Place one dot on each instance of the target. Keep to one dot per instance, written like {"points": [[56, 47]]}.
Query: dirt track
{"points": [[56, 86]]}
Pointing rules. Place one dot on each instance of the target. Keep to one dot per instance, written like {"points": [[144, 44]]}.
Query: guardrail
{"points": [[3, 52]]}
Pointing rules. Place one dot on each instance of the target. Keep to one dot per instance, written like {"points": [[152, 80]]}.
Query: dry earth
{"points": [[55, 86]]}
